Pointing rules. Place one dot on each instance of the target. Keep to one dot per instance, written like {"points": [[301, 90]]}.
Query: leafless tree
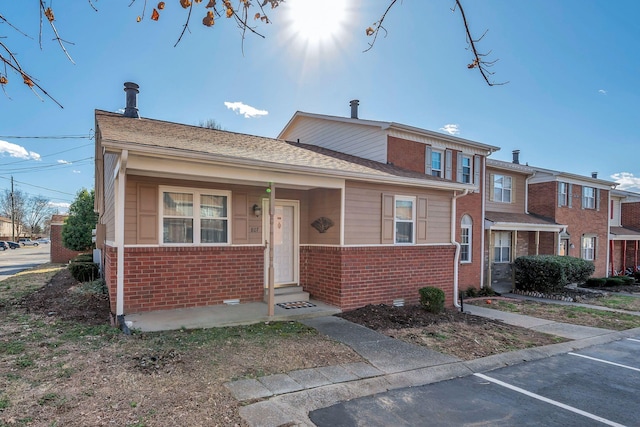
{"points": [[37, 210]]}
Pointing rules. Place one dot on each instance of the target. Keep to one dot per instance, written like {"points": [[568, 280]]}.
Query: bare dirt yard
{"points": [[62, 364]]}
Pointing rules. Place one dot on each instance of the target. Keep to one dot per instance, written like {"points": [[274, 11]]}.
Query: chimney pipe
{"points": [[516, 157], [131, 109], [354, 108], [594, 174]]}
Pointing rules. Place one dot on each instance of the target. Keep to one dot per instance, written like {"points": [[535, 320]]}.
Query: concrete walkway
{"points": [[286, 399]]}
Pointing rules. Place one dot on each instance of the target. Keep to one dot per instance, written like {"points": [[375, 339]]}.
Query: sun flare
{"points": [[316, 21]]}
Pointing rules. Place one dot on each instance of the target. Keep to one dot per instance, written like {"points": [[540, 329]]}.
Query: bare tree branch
{"points": [[377, 26], [49, 14]]}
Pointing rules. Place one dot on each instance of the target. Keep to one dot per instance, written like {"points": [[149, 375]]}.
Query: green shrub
{"points": [[83, 258], [471, 292], [595, 282], [432, 299], [84, 271], [550, 273]]}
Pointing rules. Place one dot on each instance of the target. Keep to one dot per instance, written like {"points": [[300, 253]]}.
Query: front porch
{"points": [[222, 315]]}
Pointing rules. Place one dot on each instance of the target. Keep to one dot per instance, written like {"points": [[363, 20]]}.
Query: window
{"points": [[194, 217], [465, 170], [502, 246], [502, 188], [436, 163], [588, 198], [563, 194], [588, 247], [404, 218], [465, 238]]}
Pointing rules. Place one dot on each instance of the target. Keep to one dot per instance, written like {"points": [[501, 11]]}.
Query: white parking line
{"points": [[605, 361], [550, 401], [633, 339]]}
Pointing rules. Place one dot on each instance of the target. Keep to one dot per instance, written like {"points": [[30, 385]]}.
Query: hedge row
{"points": [[550, 273]]}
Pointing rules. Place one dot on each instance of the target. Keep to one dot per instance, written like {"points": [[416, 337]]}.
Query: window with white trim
{"points": [[588, 198], [465, 238], [194, 216], [563, 194], [404, 219], [466, 170], [437, 163], [588, 247], [502, 188], [502, 246]]}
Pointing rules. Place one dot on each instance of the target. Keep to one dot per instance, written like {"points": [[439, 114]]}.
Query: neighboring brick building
{"points": [[59, 254], [624, 232], [582, 203]]}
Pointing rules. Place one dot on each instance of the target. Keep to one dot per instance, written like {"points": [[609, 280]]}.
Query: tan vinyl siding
{"points": [[363, 217], [109, 215], [323, 203], [518, 192]]}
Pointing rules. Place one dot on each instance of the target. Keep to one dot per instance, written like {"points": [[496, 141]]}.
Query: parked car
{"points": [[3, 245], [43, 240], [27, 242], [13, 245]]}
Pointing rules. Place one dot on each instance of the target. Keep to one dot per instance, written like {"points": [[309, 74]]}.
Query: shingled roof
{"points": [[117, 131]]}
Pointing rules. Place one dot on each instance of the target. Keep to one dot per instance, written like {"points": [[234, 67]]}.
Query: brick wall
{"points": [[406, 154], [630, 215], [543, 199], [354, 277], [60, 254], [170, 278]]}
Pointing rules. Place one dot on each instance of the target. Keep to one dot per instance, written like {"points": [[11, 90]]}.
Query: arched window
{"points": [[465, 238]]}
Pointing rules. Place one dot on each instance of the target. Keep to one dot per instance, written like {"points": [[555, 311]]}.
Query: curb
{"points": [[292, 409]]}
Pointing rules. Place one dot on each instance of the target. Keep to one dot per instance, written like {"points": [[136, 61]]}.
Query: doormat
{"points": [[295, 304]]}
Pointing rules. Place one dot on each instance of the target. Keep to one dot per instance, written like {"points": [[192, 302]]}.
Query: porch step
{"points": [[288, 294]]}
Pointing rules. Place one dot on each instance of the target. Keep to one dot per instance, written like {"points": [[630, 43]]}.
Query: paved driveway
{"points": [[13, 261], [595, 386]]}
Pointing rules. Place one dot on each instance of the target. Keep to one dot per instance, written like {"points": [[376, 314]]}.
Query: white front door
{"points": [[285, 243]]}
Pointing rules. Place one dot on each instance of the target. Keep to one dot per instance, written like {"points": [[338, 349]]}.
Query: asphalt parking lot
{"points": [[13, 261], [595, 386]]}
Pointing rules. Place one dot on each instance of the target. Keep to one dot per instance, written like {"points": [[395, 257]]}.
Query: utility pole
{"points": [[13, 213]]}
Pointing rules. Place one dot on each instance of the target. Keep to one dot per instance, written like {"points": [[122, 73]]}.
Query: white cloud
{"points": [[626, 181], [246, 110], [14, 150], [120, 111], [61, 206], [602, 91], [76, 171], [451, 129], [64, 162]]}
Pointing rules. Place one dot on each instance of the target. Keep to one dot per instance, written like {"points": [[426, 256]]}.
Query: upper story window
{"points": [[588, 198], [437, 163], [465, 238], [564, 194], [195, 216], [404, 219], [465, 169], [502, 188]]}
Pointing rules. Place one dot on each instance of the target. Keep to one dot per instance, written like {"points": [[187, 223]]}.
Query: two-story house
{"points": [[445, 158], [580, 202], [624, 232], [511, 230]]}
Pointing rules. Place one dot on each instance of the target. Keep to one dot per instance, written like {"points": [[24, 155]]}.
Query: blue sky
{"points": [[571, 102]]}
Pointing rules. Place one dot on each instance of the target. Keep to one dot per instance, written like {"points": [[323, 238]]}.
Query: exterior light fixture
{"points": [[257, 210]]}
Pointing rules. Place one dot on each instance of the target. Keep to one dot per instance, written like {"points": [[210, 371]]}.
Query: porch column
{"points": [[537, 242], [489, 258], [120, 172], [624, 256], [635, 264], [271, 300]]}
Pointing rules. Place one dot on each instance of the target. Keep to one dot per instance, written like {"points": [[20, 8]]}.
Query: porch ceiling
{"points": [[520, 222], [623, 233]]}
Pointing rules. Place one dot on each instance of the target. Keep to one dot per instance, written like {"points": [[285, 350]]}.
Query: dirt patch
{"points": [[459, 334]]}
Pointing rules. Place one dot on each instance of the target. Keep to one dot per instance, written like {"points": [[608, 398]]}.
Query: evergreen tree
{"points": [[77, 230]]}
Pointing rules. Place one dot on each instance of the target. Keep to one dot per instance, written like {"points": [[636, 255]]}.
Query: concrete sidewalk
{"points": [[391, 364]]}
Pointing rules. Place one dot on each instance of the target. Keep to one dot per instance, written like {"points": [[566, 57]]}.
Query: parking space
{"points": [[595, 386], [13, 261]]}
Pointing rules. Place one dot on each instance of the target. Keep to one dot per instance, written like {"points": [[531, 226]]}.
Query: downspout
{"points": [[119, 235], [271, 274], [482, 230], [456, 258]]}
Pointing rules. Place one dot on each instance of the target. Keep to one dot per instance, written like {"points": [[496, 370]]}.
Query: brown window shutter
{"points": [[421, 217], [387, 225]]}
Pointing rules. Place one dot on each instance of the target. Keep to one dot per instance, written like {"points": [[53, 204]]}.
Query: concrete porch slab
{"points": [[222, 315]]}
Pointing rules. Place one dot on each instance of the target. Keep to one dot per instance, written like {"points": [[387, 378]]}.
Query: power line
{"points": [[90, 136], [48, 155], [37, 186]]}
